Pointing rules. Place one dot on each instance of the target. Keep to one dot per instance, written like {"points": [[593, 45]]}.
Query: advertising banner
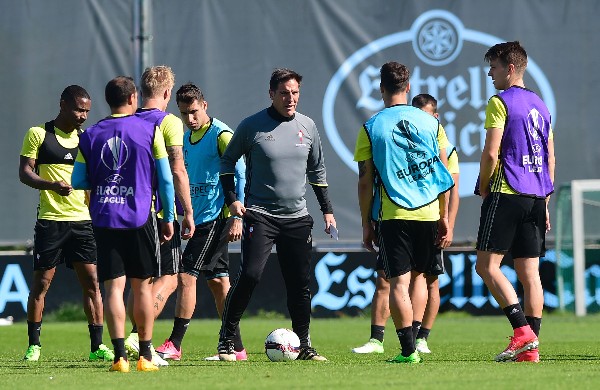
{"points": [[342, 284]]}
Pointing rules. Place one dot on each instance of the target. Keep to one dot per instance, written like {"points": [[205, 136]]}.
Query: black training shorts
{"points": [[406, 246], [207, 250], [68, 242], [512, 223], [130, 252]]}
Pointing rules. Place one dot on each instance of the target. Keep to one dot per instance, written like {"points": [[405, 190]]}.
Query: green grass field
{"points": [[463, 351]]}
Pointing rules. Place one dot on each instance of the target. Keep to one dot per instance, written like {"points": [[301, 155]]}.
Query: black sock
{"points": [[423, 333], [180, 326], [416, 325], [515, 315], [119, 347], [134, 329], [33, 331], [238, 346], [95, 336], [535, 323], [377, 332], [145, 350], [407, 341]]}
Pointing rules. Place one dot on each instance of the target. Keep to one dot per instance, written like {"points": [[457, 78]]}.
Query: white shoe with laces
{"points": [[421, 345]]}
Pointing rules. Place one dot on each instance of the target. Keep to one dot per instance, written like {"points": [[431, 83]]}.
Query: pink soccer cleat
{"points": [[169, 351]]}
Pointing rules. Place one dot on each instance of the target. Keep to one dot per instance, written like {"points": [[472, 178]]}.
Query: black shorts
{"points": [[57, 242], [406, 246], [207, 250], [170, 251], [512, 223], [435, 270], [130, 252]]}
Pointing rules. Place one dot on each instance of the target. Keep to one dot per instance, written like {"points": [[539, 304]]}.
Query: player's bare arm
{"points": [[366, 171], [29, 177], [489, 159], [453, 203], [182, 189], [551, 167]]}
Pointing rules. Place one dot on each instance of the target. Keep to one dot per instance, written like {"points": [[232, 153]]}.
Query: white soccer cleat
{"points": [[372, 346], [421, 345]]}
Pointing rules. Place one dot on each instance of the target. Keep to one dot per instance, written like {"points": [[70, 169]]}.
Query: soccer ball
{"points": [[282, 345]]}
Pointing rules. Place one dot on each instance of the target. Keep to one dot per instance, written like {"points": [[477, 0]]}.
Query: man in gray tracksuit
{"points": [[283, 151]]}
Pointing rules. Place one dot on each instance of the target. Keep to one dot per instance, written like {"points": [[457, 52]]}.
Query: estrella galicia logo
{"points": [[114, 153], [436, 39]]}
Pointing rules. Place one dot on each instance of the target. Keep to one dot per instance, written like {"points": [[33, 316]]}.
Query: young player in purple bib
{"points": [[515, 181]]}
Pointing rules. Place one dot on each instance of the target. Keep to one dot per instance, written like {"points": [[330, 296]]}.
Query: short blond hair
{"points": [[157, 79]]}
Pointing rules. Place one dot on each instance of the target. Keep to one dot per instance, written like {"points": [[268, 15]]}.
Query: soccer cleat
{"points": [[225, 351], [168, 351], [516, 346], [33, 353], [121, 365], [421, 345], [372, 346], [132, 346], [102, 353], [213, 358], [309, 353], [145, 365], [533, 355], [410, 359], [156, 359], [239, 356]]}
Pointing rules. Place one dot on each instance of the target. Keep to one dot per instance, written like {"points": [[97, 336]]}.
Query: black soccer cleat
{"points": [[309, 353]]}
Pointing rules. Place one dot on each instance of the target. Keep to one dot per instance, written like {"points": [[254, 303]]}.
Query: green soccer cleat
{"points": [[33, 353], [102, 353], [411, 359], [372, 346]]}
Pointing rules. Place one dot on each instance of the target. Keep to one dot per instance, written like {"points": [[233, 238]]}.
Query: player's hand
{"points": [[441, 241], [237, 209], [61, 187], [449, 238], [166, 231], [369, 238], [329, 220], [548, 225], [187, 226], [235, 229], [484, 192]]}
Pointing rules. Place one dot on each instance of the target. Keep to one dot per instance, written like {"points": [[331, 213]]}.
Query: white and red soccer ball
{"points": [[282, 345]]}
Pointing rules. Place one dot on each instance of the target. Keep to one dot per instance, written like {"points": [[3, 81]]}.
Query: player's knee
{"points": [[482, 270], [186, 281], [40, 289]]}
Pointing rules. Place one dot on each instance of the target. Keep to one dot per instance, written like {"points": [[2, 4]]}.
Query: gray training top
{"points": [[281, 153]]}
